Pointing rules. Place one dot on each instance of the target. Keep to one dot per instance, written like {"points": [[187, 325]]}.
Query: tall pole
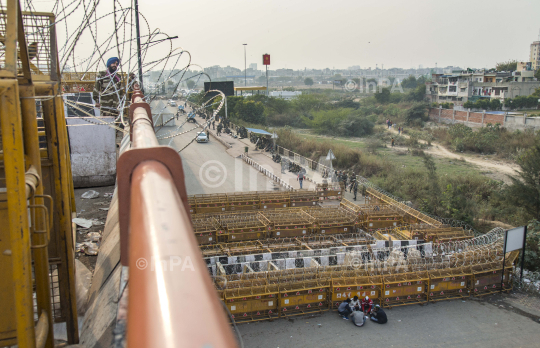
{"points": [[245, 66], [267, 90], [139, 44]]}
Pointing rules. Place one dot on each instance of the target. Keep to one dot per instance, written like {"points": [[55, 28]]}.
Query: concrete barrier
{"points": [[266, 172]]}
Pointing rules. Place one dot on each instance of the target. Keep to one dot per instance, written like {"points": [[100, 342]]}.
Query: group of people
{"points": [[347, 180], [389, 124], [360, 310]]}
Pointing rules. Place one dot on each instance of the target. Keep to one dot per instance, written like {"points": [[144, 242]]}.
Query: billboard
{"points": [[266, 59], [227, 87]]}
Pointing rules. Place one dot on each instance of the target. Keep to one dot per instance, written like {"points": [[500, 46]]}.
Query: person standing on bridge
{"points": [[109, 91], [219, 128], [392, 142], [300, 178], [355, 189]]}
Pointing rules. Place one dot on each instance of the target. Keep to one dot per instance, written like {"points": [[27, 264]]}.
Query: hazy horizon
{"points": [[314, 34]]}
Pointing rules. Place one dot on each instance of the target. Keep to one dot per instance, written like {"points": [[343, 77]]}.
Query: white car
{"points": [[202, 137], [172, 103]]}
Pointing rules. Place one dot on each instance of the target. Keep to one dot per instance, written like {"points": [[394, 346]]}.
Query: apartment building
{"points": [[458, 88], [534, 57]]}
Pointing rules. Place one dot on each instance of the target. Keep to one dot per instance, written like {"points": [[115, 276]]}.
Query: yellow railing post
{"points": [[12, 141], [41, 255], [56, 143]]}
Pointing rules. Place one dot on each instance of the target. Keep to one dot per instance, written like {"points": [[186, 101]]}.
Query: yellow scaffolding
{"points": [[36, 190]]}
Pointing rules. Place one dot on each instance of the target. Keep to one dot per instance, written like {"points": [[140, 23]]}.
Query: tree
{"points": [[409, 82], [525, 191], [356, 126], [383, 96], [495, 104], [308, 81], [532, 251], [434, 192], [416, 114], [537, 74], [418, 94], [510, 65], [261, 79], [250, 111], [190, 84]]}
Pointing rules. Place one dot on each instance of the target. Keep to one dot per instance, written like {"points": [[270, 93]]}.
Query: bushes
{"points": [[342, 122], [417, 114], [346, 158], [522, 102], [484, 104]]}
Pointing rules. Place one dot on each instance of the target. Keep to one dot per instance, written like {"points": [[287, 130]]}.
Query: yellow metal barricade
{"points": [[240, 201], [206, 230], [405, 289], [274, 200], [253, 303], [211, 203], [303, 198], [302, 297], [449, 283], [288, 223], [344, 288]]}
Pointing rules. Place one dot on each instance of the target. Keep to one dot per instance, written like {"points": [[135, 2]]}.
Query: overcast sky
{"points": [[342, 33]]}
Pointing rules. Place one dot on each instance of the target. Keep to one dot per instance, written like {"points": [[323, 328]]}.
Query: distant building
{"points": [[253, 66], [285, 94], [534, 57], [469, 85]]}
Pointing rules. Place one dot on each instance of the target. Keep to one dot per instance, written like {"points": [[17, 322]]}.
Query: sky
{"points": [[337, 34]]}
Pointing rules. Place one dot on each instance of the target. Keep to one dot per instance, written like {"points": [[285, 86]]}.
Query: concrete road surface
{"points": [[208, 168], [472, 323]]}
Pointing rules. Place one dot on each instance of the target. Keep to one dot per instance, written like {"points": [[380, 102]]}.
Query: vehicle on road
{"points": [[191, 117], [202, 137], [172, 103]]}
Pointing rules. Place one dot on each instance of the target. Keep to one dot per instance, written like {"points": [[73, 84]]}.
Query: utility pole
{"points": [[139, 44], [267, 91], [245, 66]]}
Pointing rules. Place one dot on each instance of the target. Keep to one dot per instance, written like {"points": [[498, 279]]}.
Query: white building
{"points": [[285, 94]]}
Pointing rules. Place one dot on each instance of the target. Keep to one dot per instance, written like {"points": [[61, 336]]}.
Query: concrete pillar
{"points": [[440, 110], [468, 113], [483, 115], [453, 116]]}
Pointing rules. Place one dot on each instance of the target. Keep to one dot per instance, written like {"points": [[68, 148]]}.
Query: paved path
{"points": [[445, 324]]}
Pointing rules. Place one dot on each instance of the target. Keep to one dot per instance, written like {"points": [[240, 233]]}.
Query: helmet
{"points": [[367, 298]]}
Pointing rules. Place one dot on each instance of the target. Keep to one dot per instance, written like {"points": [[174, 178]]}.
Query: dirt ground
{"points": [[91, 209], [497, 170]]}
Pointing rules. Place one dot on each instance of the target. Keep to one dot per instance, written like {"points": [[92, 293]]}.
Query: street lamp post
{"points": [[245, 66]]}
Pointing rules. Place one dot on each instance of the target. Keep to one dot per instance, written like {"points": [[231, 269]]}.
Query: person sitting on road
{"points": [[355, 303], [358, 318], [367, 305], [378, 315], [344, 309]]}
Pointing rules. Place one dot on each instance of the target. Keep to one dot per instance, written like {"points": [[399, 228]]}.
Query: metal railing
{"points": [[172, 301]]}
